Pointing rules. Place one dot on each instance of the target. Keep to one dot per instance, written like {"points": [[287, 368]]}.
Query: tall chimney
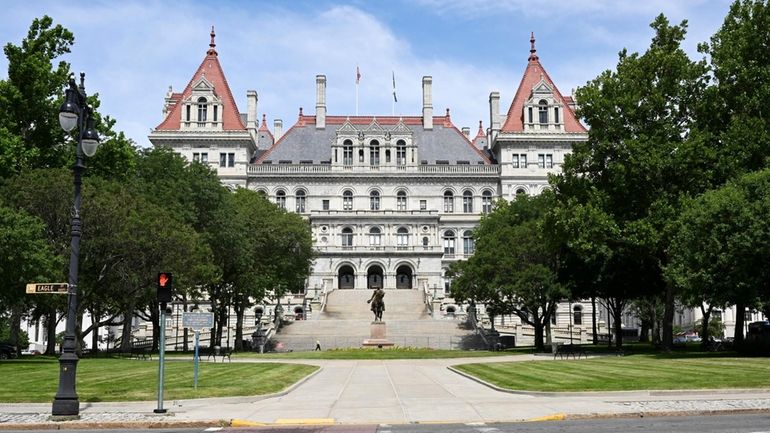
{"points": [[320, 104], [251, 113], [494, 114], [277, 129], [466, 132], [427, 102]]}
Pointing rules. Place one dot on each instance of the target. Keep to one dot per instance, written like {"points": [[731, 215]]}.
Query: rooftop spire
{"points": [[212, 51], [264, 122], [481, 130], [532, 49]]}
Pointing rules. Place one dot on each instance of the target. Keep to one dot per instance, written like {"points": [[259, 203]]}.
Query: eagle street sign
{"points": [[59, 288]]}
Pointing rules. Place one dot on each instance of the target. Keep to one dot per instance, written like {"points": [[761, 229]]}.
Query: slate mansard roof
{"points": [[304, 143]]}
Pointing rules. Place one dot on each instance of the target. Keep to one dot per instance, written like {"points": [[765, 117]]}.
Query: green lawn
{"points": [[36, 379], [638, 372], [374, 353]]}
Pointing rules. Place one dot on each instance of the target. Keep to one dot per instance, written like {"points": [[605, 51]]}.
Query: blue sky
{"points": [[133, 50]]}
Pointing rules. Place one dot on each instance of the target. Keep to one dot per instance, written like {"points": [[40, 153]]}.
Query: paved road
{"points": [[745, 423]]}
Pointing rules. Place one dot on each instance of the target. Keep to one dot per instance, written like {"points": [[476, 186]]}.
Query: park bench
{"points": [[566, 350], [141, 353], [224, 352]]}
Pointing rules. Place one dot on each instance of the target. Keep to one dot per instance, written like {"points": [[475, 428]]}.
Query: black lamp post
{"points": [[74, 112]]}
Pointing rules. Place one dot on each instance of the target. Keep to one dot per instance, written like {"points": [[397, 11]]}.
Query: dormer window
{"points": [[202, 109], [347, 153], [401, 152], [374, 153], [543, 112]]}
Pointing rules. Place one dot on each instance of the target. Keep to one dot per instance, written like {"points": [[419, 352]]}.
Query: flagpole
{"points": [[358, 79], [393, 105]]}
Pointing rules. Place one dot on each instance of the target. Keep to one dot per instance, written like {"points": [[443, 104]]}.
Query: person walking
{"points": [[317, 345]]}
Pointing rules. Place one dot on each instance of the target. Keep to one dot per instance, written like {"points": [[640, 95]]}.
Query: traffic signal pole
{"points": [[161, 362]]}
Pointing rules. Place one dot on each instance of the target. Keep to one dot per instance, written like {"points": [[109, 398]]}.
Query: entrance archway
{"points": [[374, 277], [404, 277], [346, 277]]}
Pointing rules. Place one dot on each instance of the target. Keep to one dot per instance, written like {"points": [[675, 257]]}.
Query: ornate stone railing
{"points": [[364, 169]]}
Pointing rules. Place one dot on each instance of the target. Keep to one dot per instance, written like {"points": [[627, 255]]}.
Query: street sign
{"points": [[58, 288], [196, 320]]}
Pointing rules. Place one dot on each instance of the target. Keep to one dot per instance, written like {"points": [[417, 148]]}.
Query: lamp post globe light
{"points": [[74, 112]]}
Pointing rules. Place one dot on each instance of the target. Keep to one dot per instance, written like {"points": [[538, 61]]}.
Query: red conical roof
{"points": [[212, 71], [532, 75]]}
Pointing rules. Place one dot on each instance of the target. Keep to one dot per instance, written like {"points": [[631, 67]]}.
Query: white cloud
{"points": [[132, 50]]}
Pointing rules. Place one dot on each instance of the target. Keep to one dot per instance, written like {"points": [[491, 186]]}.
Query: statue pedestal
{"points": [[378, 334]]}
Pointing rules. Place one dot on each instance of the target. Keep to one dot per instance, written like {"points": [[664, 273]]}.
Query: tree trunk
{"points": [[644, 332], [539, 345], [95, 332], [704, 328], [740, 312], [125, 334], [14, 330], [618, 328], [593, 320], [239, 310], [668, 318]]}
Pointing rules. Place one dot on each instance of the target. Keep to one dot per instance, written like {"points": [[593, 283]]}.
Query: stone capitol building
{"points": [[391, 200]]}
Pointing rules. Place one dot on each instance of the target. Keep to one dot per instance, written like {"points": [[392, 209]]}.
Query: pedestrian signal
{"points": [[165, 286]]}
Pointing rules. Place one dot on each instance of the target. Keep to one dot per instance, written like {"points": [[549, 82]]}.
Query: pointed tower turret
{"points": [[537, 132], [206, 107]]}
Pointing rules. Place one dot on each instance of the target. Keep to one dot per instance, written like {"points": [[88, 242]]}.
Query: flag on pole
{"points": [[358, 75], [394, 87]]}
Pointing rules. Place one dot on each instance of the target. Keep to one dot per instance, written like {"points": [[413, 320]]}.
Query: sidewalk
{"points": [[393, 392]]}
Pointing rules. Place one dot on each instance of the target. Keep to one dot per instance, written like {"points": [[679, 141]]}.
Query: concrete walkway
{"points": [[396, 392]]}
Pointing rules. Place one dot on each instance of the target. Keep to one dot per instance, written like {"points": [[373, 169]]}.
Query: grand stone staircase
{"points": [[346, 320]]}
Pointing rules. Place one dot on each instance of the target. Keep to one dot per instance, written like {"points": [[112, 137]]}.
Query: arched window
{"points": [[400, 152], [347, 200], [375, 236], [520, 191], [300, 201], [280, 199], [374, 152], [543, 111], [262, 192], [425, 242], [469, 245], [556, 115], [486, 201], [347, 237], [449, 242], [449, 202], [401, 200], [467, 201], [577, 315], [347, 153], [402, 237], [374, 200], [202, 109]]}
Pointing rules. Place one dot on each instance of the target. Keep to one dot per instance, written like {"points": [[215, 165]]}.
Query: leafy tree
{"points": [[719, 255], [514, 268], [30, 135], [261, 251], [735, 120], [25, 257], [636, 164]]}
